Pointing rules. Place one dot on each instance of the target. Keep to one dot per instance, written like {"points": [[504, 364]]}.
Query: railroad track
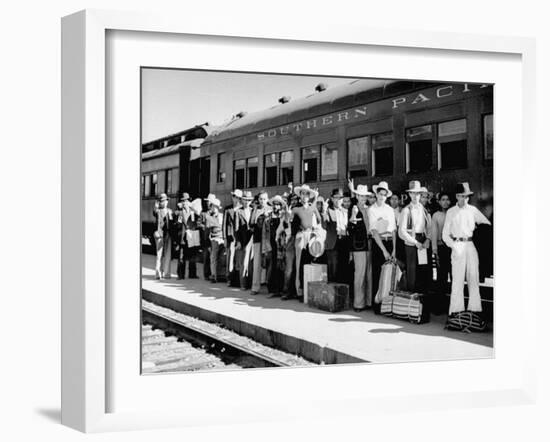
{"points": [[173, 342]]}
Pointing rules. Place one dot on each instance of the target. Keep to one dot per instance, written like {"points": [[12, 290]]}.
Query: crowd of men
{"points": [[260, 239]]}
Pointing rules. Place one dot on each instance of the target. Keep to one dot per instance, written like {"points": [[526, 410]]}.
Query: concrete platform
{"points": [[316, 335]]}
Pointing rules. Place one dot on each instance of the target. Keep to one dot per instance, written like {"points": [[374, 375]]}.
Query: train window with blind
{"points": [[310, 163], [154, 184], [419, 149], [220, 175], [452, 151], [168, 181], [270, 169], [329, 162], [488, 137], [287, 167], [382, 154], [358, 157], [252, 172], [238, 174], [147, 191], [142, 185]]}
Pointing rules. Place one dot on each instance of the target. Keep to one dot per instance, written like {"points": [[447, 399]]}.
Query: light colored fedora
{"points": [[382, 185], [305, 188], [216, 202], [463, 189], [247, 195], [210, 197], [163, 197], [237, 193], [415, 187], [363, 190]]}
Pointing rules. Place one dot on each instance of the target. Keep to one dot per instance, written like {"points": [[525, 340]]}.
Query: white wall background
{"points": [[30, 221]]}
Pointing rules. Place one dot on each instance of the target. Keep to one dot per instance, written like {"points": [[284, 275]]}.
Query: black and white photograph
{"points": [[291, 220]]}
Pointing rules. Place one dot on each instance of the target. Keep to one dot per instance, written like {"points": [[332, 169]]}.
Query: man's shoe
{"points": [[253, 292], [273, 295]]}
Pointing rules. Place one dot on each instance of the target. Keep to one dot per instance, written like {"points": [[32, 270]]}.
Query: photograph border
{"points": [[85, 264]]}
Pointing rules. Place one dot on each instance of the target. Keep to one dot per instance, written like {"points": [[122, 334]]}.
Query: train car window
{"points": [[287, 167], [452, 145], [168, 178], [488, 137], [154, 184], [382, 154], [310, 164], [142, 185], [419, 149], [219, 174], [329, 162], [252, 172], [147, 185], [358, 157], [239, 174], [270, 169]]}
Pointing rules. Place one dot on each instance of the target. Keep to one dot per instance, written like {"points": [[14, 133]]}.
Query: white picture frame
{"points": [[85, 219]]}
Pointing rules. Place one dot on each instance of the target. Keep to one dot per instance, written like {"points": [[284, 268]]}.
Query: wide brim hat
{"points": [[247, 196], [210, 197], [382, 185], [277, 199], [185, 197], [363, 190], [237, 193], [463, 189], [163, 197], [216, 202], [316, 247], [415, 187], [305, 188]]}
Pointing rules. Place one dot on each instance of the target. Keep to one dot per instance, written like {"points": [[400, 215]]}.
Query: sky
{"points": [[174, 100]]}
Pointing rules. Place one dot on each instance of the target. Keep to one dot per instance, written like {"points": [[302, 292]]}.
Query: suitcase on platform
{"points": [[313, 272], [390, 275], [328, 296], [408, 306]]}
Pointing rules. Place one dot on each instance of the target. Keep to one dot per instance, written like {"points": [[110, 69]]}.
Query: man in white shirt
{"points": [[458, 231], [414, 230], [383, 227]]}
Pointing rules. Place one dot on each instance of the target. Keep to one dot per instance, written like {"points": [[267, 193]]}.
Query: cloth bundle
{"points": [[467, 322], [389, 278]]}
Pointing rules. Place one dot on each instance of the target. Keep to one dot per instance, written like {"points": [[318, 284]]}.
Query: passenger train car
{"points": [[368, 130]]}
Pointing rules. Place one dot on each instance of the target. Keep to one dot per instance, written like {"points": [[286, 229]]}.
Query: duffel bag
{"points": [[467, 322], [409, 306]]}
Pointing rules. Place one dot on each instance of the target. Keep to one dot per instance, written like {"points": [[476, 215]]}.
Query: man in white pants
{"points": [[458, 231]]}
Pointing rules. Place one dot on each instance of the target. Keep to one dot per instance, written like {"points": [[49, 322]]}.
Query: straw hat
{"points": [[247, 195], [237, 193], [216, 202], [277, 199], [163, 197], [414, 187], [463, 189], [185, 197], [316, 247], [382, 185], [362, 190], [210, 197], [305, 188]]}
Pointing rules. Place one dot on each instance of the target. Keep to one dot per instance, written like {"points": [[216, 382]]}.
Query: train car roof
{"points": [[318, 103], [193, 144]]}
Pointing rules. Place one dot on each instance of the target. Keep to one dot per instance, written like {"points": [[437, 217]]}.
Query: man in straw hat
{"points": [[305, 218], [162, 234], [229, 237], [415, 231], [458, 232], [243, 240], [259, 216], [214, 222], [337, 244], [273, 257], [359, 228], [383, 228], [205, 237], [188, 236]]}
